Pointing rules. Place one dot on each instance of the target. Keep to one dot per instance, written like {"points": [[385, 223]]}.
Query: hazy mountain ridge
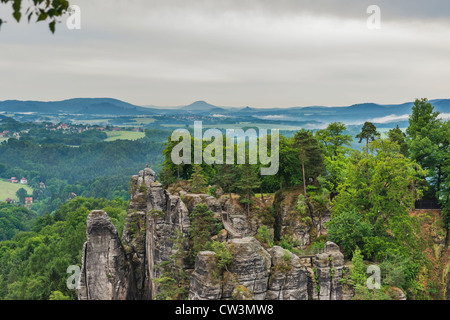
{"points": [[352, 115]]}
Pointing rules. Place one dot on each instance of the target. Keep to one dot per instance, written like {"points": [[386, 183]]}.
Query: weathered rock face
{"points": [[205, 284], [303, 221], [161, 216], [250, 267], [254, 274], [219, 205], [328, 268], [153, 220], [288, 279], [250, 270], [105, 269]]}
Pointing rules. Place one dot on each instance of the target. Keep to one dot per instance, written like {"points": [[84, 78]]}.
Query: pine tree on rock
{"points": [[198, 181], [311, 156], [246, 184]]}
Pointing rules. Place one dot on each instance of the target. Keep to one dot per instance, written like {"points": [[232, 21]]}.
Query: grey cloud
{"points": [[262, 53]]}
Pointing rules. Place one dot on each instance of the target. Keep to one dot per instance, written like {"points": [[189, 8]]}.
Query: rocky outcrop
{"points": [[288, 278], [254, 274], [223, 204], [154, 219], [250, 269], [327, 270], [205, 280], [302, 220], [113, 269], [105, 268]]}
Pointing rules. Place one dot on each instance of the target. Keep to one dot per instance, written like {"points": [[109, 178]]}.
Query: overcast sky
{"points": [[260, 53]]}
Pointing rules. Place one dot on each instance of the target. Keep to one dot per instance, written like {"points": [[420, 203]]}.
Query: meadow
{"points": [[124, 135], [8, 190]]}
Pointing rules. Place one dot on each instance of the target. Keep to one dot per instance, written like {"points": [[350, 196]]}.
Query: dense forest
{"points": [[370, 193], [94, 168]]}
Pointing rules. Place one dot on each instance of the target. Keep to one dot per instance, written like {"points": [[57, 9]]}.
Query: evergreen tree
{"points": [[368, 132], [246, 184], [198, 181], [311, 156], [398, 136], [203, 226], [174, 281], [429, 143]]}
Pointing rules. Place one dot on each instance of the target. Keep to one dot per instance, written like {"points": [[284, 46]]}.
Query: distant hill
{"points": [[200, 106], [75, 106]]}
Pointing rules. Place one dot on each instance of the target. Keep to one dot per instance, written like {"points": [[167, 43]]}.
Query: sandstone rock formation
{"points": [[255, 274], [304, 221], [328, 268], [250, 269], [114, 269], [288, 279], [154, 217], [104, 273]]}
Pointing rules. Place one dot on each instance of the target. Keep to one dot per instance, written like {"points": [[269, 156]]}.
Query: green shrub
{"points": [[349, 231], [223, 255], [317, 246], [301, 204], [287, 242], [286, 256], [263, 236], [358, 270]]}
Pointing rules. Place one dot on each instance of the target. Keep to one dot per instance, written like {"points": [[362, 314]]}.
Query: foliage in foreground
{"points": [[33, 264]]}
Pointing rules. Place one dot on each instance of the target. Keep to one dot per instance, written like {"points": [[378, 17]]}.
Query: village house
{"points": [[28, 200], [63, 126], [23, 180], [13, 180]]}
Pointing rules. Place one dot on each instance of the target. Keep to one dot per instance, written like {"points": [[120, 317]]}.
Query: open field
{"points": [[143, 121], [124, 135], [8, 189]]}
